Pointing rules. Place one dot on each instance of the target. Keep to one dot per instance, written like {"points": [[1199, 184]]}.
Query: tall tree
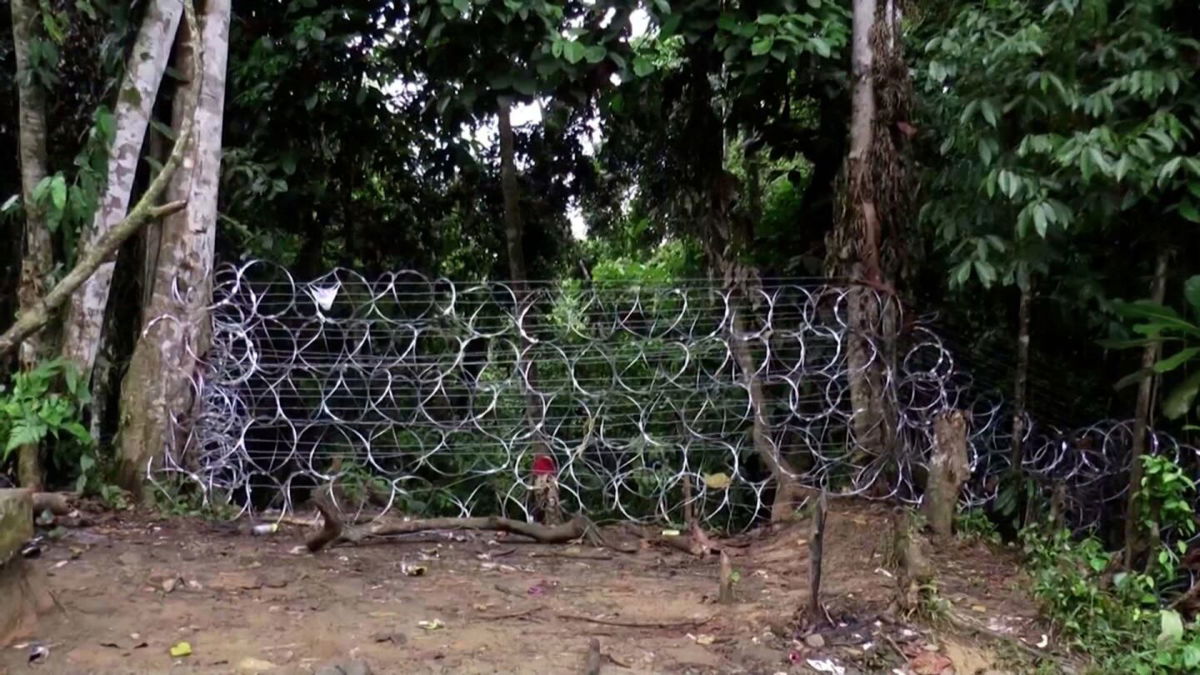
{"points": [[138, 91], [157, 385], [37, 258], [869, 227]]}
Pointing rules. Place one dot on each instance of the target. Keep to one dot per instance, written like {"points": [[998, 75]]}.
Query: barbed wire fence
{"points": [[423, 393]]}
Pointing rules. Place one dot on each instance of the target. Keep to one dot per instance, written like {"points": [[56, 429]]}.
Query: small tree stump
{"points": [[947, 471], [725, 596], [816, 550]]}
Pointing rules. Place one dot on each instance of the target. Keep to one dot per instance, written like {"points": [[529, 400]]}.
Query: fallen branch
{"points": [[58, 503], [569, 556], [334, 531], [693, 623], [510, 615]]}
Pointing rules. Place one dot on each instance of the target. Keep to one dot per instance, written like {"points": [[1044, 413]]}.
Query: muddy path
{"points": [[132, 587]]}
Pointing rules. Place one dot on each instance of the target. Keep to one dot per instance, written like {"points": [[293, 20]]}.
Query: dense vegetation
{"points": [[1033, 176]]}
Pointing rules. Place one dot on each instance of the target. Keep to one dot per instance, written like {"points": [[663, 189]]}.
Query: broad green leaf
{"points": [[1039, 221], [1188, 210], [670, 25], [573, 51], [762, 45], [595, 54], [1175, 360], [1191, 291], [821, 46], [642, 66], [1171, 626], [1179, 401], [1128, 344], [1132, 378]]}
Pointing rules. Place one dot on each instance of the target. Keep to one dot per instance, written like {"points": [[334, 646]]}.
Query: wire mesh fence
{"points": [[428, 394]]}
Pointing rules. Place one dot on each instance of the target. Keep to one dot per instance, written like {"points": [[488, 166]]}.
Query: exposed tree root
{"points": [[335, 531]]}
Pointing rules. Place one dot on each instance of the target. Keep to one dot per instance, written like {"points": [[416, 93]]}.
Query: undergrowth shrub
{"points": [[1124, 623]]}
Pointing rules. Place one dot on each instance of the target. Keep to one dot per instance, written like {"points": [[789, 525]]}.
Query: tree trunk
{"points": [[1021, 377], [176, 330], [854, 251], [37, 256], [787, 490], [43, 309], [1135, 543], [948, 470], [135, 103], [514, 238]]}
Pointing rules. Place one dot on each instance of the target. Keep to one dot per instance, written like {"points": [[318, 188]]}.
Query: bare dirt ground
{"points": [[132, 586]]}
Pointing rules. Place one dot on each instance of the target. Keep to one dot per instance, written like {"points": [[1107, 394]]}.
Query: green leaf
{"points": [[317, 33], [58, 192], [1191, 291], [1179, 401], [524, 84], [988, 108], [762, 45], [79, 432], [1188, 210], [595, 54], [573, 51], [642, 66], [1133, 378], [821, 46], [1039, 221], [1172, 626], [1128, 344], [1175, 360], [670, 25], [1191, 656]]}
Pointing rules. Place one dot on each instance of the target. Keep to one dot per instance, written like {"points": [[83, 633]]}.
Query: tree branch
{"points": [[143, 212], [335, 530]]}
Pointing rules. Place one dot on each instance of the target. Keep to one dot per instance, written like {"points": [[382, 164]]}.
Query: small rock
{"points": [[816, 640], [253, 665]]}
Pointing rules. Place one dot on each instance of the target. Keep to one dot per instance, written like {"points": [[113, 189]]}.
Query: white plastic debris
{"points": [[324, 297], [826, 666]]}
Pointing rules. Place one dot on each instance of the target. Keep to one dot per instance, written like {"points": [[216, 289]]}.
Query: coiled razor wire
{"points": [[430, 394]]}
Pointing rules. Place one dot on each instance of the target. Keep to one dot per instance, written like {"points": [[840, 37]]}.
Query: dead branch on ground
{"points": [[335, 531], [57, 503], [693, 623]]}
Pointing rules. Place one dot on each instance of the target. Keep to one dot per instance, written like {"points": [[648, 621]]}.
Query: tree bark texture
{"points": [[874, 173], [514, 238], [787, 490], [176, 332], [948, 470], [135, 102], [29, 323], [37, 256], [1021, 377], [1135, 542]]}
